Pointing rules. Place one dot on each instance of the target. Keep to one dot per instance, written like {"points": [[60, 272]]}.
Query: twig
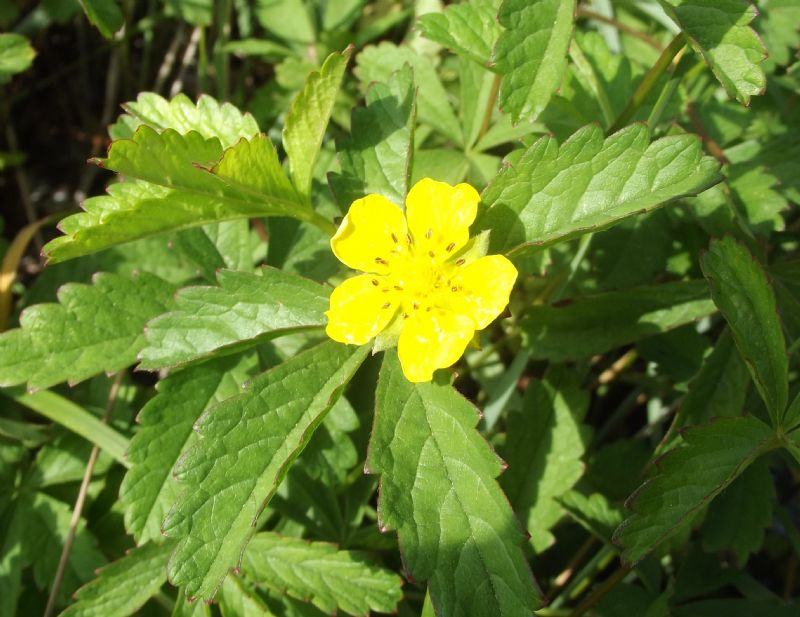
{"points": [[712, 146], [589, 14], [79, 502], [186, 60]]}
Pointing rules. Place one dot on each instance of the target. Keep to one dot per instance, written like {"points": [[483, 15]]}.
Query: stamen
{"points": [[405, 315], [398, 287], [375, 282], [429, 233], [387, 305], [454, 288], [461, 262], [415, 305], [450, 246], [394, 239], [431, 254], [382, 261], [409, 239]]}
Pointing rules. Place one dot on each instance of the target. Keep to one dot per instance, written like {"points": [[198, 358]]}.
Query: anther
{"points": [[454, 288], [381, 260], [409, 239], [431, 254], [387, 305], [405, 315], [429, 233], [461, 262], [450, 246], [375, 282], [394, 238], [415, 305], [398, 288]]}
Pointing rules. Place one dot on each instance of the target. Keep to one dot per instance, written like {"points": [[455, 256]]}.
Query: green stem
{"points": [[586, 71], [649, 82], [487, 115], [202, 65], [220, 55], [315, 218]]}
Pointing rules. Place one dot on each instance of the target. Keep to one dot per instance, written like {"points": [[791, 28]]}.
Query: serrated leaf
{"points": [[308, 118], [105, 15], [246, 446], [182, 182], [531, 53], [589, 183], [16, 55], [207, 117], [438, 490], [149, 489], [94, 328], [241, 311], [469, 29], [722, 449], [545, 444], [755, 188], [596, 324], [594, 513], [377, 63], [737, 518], [719, 30], [317, 572], [121, 588], [742, 292], [376, 158]]}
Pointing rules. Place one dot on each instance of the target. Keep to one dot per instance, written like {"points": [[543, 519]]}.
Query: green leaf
{"points": [[94, 328], [554, 193], [238, 599], [123, 587], [308, 118], [69, 415], [469, 29], [719, 30], [438, 490], [545, 444], [719, 388], [240, 312], [247, 443], [183, 183], [531, 53], [288, 19], [742, 292], [597, 324], [196, 12], [737, 518], [376, 158], [105, 15], [16, 55], [149, 489], [722, 449], [207, 117], [317, 572], [377, 63], [594, 513]]}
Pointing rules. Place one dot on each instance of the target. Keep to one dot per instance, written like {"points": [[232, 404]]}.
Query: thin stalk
{"points": [[577, 259], [186, 61], [169, 58], [586, 71], [220, 55], [202, 64], [315, 218], [600, 592], [600, 559], [487, 115], [589, 14], [649, 82], [568, 572], [667, 93], [79, 502]]}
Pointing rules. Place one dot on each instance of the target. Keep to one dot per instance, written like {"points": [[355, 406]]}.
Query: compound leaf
{"points": [[122, 588], [308, 118], [742, 292], [597, 324], [176, 181], [166, 421], [246, 446], [93, 328], [719, 30], [438, 490], [722, 449], [376, 158], [317, 572], [554, 193], [531, 53], [239, 312]]}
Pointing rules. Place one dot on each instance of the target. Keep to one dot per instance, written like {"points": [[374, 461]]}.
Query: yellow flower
{"points": [[417, 281]]}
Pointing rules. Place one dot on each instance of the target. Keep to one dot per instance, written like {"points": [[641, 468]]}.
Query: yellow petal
{"points": [[439, 216], [483, 289], [432, 340], [360, 309], [371, 235]]}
